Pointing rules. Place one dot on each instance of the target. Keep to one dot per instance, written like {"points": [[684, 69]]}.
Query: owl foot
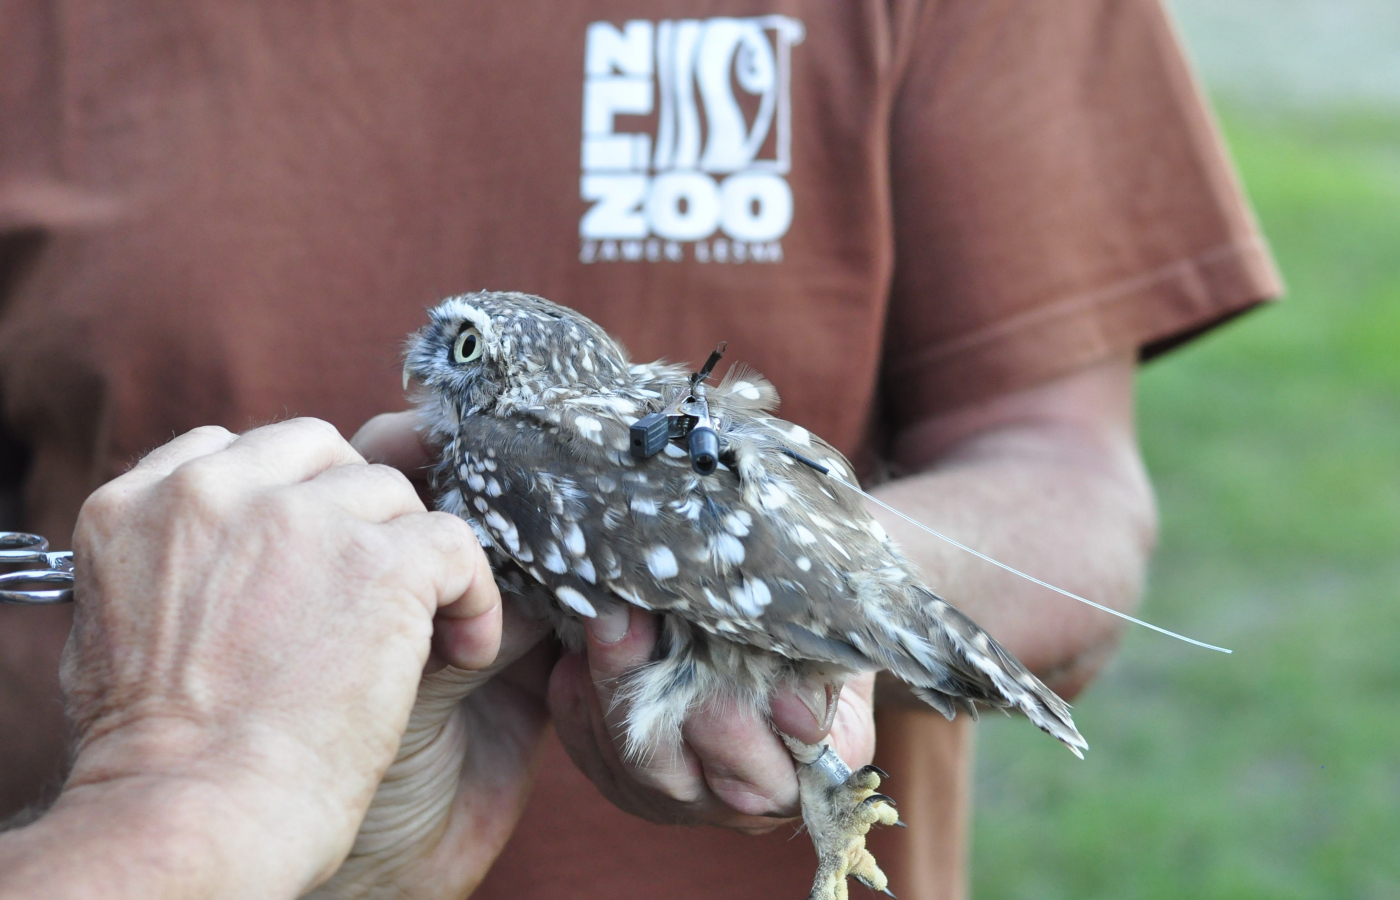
{"points": [[838, 807]]}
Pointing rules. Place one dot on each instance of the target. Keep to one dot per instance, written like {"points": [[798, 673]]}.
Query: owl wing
{"points": [[558, 493], [770, 553], [767, 552]]}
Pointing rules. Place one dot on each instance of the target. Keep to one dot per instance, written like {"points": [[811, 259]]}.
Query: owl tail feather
{"points": [[969, 666]]}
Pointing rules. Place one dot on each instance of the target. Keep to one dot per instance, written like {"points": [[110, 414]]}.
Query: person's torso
{"points": [[239, 211]]}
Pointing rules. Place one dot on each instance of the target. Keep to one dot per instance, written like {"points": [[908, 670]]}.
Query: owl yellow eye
{"points": [[467, 347]]}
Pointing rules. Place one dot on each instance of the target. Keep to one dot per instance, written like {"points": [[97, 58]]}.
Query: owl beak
{"points": [[407, 376]]}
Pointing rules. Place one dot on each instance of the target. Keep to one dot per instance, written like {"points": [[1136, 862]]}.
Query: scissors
{"points": [[40, 567]]}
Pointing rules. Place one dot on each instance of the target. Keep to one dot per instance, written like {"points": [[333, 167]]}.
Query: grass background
{"points": [[1275, 448]]}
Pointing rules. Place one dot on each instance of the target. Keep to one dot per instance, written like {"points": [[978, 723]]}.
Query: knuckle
{"points": [[370, 556], [110, 498], [315, 428], [368, 551], [211, 431], [391, 479], [449, 535], [195, 483], [376, 553], [102, 512]]}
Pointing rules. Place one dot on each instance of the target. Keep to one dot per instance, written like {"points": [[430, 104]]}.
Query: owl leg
{"points": [[839, 807]]}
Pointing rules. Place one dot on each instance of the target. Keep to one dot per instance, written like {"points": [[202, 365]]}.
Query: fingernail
{"points": [[471, 643], [610, 625]]}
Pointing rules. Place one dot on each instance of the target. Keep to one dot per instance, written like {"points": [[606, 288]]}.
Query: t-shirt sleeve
{"points": [[1060, 195]]}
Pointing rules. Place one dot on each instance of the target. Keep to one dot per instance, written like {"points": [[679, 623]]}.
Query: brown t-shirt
{"points": [[229, 213]]}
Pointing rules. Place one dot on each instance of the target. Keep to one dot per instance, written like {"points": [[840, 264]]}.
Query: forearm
{"points": [[1064, 500]]}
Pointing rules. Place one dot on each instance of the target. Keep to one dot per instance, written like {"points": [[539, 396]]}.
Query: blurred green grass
{"points": [[1275, 448]]}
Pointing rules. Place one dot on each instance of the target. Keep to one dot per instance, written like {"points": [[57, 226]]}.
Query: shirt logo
{"points": [[687, 137]]}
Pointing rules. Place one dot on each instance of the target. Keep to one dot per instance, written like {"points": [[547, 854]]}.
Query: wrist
{"points": [[136, 837], [159, 809]]}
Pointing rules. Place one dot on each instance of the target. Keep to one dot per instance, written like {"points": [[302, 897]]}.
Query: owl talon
{"points": [[839, 807], [885, 890]]}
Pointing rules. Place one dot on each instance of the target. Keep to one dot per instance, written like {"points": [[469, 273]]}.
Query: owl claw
{"points": [[839, 807], [885, 890]]}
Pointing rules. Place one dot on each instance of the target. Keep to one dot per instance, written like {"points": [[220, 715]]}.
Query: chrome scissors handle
{"points": [[42, 567]]}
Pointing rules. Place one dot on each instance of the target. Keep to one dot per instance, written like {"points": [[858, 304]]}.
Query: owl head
{"points": [[482, 349]]}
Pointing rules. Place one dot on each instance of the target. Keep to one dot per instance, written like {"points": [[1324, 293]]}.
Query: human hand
{"points": [[253, 617], [728, 768], [465, 767]]}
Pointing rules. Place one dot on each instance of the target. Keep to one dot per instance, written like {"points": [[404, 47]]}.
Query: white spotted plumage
{"points": [[762, 573]]}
